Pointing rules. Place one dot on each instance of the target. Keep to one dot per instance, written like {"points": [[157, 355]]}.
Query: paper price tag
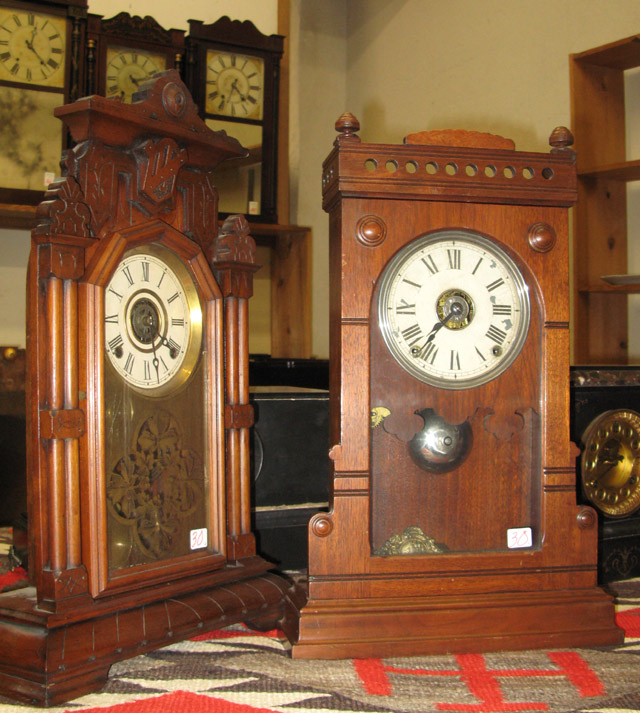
{"points": [[519, 537], [198, 538]]}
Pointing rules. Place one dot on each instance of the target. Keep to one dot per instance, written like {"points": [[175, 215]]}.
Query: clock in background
{"points": [[125, 51], [232, 72], [605, 424], [37, 43]]}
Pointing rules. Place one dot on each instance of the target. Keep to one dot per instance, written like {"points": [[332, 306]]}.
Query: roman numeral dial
{"points": [[127, 69], [234, 85], [453, 309], [152, 320], [32, 47]]}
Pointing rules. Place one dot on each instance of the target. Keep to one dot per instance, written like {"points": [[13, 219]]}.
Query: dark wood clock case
{"points": [[411, 562], [595, 391], [138, 174]]}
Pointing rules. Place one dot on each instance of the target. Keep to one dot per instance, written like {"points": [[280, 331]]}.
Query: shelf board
{"points": [[604, 287], [626, 171], [17, 217], [623, 54]]}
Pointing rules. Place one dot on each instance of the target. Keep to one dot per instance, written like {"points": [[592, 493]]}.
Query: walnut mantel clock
{"points": [[453, 525], [138, 410]]}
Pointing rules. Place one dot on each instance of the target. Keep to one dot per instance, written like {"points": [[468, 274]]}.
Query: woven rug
{"points": [[240, 671]]}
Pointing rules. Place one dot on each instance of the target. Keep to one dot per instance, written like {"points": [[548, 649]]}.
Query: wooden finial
{"points": [[561, 140], [347, 125]]}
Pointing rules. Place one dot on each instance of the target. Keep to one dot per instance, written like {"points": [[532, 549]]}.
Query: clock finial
{"points": [[561, 140], [347, 125]]}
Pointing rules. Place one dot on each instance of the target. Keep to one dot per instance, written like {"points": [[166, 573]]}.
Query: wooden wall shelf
{"points": [[600, 226]]}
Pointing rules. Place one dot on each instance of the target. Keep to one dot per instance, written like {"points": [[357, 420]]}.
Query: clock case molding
{"points": [[137, 174], [478, 596]]}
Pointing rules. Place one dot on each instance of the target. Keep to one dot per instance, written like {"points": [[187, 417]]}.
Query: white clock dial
{"points": [[235, 85], [152, 320], [453, 309]]}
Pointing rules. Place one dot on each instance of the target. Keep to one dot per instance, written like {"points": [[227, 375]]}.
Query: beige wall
{"points": [[402, 66]]}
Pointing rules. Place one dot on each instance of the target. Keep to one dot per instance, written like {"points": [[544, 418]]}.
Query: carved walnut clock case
{"points": [[453, 524], [137, 404]]}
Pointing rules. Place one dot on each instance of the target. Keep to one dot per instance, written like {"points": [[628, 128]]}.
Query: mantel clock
{"points": [[233, 72], [40, 69], [605, 410], [453, 524], [138, 407]]}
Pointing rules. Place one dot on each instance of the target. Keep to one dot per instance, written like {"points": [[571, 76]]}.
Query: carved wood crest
{"points": [[119, 174]]}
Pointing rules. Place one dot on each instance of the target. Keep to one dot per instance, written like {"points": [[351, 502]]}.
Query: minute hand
{"points": [[437, 327]]}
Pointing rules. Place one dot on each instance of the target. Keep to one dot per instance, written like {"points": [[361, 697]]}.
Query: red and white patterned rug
{"points": [[240, 671]]}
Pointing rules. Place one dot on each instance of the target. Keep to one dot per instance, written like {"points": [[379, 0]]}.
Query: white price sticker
{"points": [[198, 538], [519, 537]]}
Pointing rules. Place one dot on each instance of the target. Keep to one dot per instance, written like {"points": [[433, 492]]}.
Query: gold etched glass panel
{"points": [[156, 479]]}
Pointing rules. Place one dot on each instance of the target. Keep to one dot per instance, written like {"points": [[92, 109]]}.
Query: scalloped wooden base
{"points": [[48, 658]]}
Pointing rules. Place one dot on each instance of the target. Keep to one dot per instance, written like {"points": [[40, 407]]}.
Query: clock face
{"points": [[32, 47], [128, 68], [610, 468], [152, 321], [453, 309], [235, 85]]}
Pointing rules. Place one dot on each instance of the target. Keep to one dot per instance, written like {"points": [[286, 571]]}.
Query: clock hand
{"points": [[166, 343], [454, 310], [156, 361], [30, 46]]}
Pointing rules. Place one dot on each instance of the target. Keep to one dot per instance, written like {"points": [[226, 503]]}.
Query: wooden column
{"points": [[233, 262]]}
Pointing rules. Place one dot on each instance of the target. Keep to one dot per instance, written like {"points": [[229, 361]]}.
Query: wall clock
{"points": [[605, 423], [453, 524], [39, 70], [233, 73], [139, 411], [124, 51]]}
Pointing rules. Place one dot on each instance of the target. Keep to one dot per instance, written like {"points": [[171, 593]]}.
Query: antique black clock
{"points": [[138, 409], [233, 73], [605, 423], [453, 524], [124, 51], [40, 69]]}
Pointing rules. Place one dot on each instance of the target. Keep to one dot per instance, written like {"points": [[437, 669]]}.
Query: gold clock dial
{"points": [[128, 68], [235, 85], [610, 468], [32, 47], [453, 309], [152, 320]]}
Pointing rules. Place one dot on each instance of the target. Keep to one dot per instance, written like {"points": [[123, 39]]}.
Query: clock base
{"points": [[48, 658], [473, 623]]}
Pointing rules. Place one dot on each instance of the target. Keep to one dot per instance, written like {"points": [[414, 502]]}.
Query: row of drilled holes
{"points": [[451, 169]]}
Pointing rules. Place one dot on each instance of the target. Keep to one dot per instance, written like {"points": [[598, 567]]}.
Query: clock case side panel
{"points": [[93, 382], [244, 38]]}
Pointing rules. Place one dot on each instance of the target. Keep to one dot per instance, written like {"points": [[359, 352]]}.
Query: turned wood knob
{"points": [[561, 139], [347, 126]]}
